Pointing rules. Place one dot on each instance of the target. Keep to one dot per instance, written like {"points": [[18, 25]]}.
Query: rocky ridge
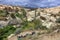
{"points": [[48, 16]]}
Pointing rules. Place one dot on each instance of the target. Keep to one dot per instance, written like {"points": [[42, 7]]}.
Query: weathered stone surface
{"points": [[3, 23]]}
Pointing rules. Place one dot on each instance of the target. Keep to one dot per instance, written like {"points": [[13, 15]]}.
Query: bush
{"points": [[18, 30], [35, 24], [6, 31], [23, 12], [29, 25], [3, 13], [58, 20], [12, 15], [22, 15], [19, 15], [38, 24]]}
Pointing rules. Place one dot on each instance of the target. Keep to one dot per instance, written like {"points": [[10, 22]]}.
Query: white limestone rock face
{"points": [[3, 23], [48, 16]]}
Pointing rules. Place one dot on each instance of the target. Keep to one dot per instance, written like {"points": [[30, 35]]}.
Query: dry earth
{"points": [[53, 36]]}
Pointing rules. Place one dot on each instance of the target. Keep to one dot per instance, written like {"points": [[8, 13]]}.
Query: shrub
{"points": [[35, 24], [19, 15], [58, 20], [12, 15], [3, 13], [6, 31]]}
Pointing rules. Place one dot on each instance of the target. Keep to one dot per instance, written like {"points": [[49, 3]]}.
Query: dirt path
{"points": [[53, 36]]}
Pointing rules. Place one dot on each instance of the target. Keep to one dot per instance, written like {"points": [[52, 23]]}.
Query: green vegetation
{"points": [[22, 15], [3, 13], [6, 31], [25, 25], [34, 25], [58, 20], [12, 15]]}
